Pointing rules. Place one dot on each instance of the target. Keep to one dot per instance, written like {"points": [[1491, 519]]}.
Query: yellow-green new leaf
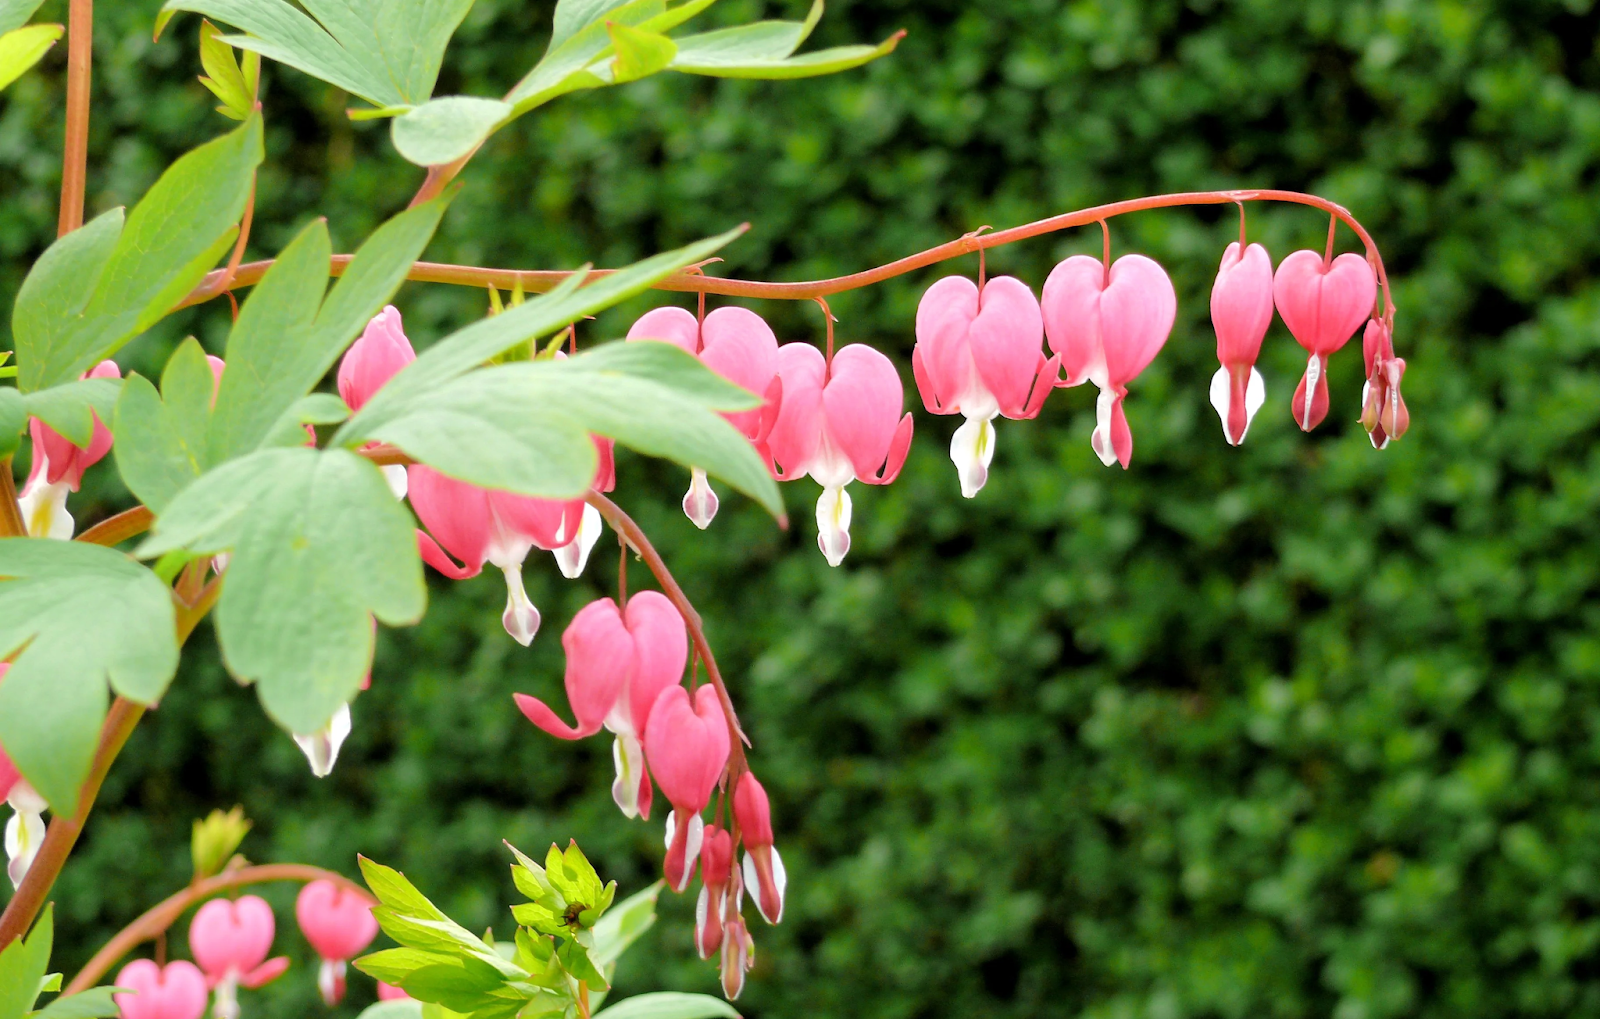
{"points": [[21, 48], [639, 53]]}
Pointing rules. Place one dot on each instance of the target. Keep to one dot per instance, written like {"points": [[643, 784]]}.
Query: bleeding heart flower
{"points": [[376, 357], [738, 956], [980, 356], [737, 344], [389, 992], [763, 867], [687, 746], [716, 870], [1241, 312], [1107, 327], [839, 423], [1383, 410], [339, 924], [229, 940], [58, 468], [174, 991], [1323, 304], [25, 830]]}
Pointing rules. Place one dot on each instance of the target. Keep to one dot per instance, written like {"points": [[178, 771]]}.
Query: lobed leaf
{"points": [[162, 439], [443, 130]]}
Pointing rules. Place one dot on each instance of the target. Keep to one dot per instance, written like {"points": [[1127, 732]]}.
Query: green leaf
{"points": [[59, 285], [624, 924], [564, 66], [161, 440], [764, 40], [95, 1003], [71, 408], [575, 960], [319, 547], [227, 81], [385, 51], [402, 1008], [22, 966], [173, 236], [572, 16], [406, 915], [443, 130], [807, 65], [21, 48], [13, 419], [467, 348], [283, 345], [669, 1005], [80, 615], [15, 13], [639, 53], [394, 965]]}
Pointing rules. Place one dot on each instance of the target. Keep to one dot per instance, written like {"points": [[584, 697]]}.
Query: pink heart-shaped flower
{"points": [[1324, 304], [176, 991]]}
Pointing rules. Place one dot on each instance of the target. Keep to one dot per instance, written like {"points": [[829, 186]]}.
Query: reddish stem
{"points": [[75, 152]]}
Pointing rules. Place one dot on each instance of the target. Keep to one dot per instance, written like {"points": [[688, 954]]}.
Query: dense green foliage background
{"points": [[1299, 729]]}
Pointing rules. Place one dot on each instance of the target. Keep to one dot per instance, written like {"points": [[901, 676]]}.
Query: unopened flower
{"points": [[716, 872], [1107, 326], [339, 925], [839, 423], [58, 468], [1241, 312], [763, 867], [229, 940], [738, 956], [174, 991], [980, 356], [737, 344], [686, 743], [1383, 410], [1323, 304]]}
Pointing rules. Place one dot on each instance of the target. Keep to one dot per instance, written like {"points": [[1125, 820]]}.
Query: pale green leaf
{"points": [[21, 48], [80, 615], [806, 65], [70, 408], [639, 53], [15, 13], [161, 440], [13, 419], [444, 130], [59, 286], [400, 1008], [319, 547], [95, 1003], [572, 16], [669, 1005], [761, 41], [22, 966]]}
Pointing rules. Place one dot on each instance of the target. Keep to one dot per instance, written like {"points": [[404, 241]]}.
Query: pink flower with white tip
{"points": [[716, 873], [1107, 326], [737, 344], [58, 468], [839, 423], [338, 923], [1323, 303], [174, 991], [1383, 410], [376, 357], [981, 356], [763, 867], [618, 662], [686, 742], [738, 956], [229, 940], [1241, 312], [25, 830]]}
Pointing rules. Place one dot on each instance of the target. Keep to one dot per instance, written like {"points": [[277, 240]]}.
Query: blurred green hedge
{"points": [[1298, 729]]}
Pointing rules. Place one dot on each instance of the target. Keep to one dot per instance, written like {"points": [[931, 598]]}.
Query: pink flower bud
{"points": [[716, 869], [1241, 312], [174, 991], [375, 358], [763, 867], [686, 744], [1383, 409], [738, 956], [338, 923], [1323, 304], [1107, 327]]}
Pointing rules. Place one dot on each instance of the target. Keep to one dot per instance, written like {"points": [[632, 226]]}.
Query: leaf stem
{"points": [[11, 523], [118, 529], [75, 152], [155, 921], [687, 281]]}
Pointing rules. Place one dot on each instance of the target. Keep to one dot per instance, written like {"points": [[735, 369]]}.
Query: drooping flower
{"points": [[737, 344], [839, 423], [339, 925], [174, 991], [618, 662], [25, 829], [763, 867], [1323, 304], [716, 871], [376, 357], [58, 468], [686, 743], [229, 940], [1107, 326], [738, 956], [1241, 312], [981, 356], [1383, 410]]}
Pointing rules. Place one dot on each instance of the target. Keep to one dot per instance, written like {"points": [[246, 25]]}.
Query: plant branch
{"points": [[11, 523], [118, 529], [75, 152], [63, 832], [157, 919], [541, 280], [635, 536]]}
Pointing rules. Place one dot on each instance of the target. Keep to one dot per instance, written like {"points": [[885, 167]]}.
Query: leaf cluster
{"points": [[24, 977]]}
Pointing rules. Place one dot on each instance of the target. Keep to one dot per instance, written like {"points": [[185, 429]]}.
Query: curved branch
{"points": [[539, 281], [118, 529], [155, 920]]}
